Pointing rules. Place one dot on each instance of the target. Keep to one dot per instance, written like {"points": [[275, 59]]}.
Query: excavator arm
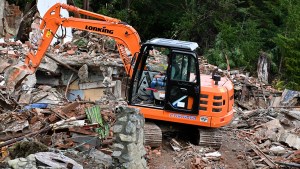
{"points": [[123, 34]]}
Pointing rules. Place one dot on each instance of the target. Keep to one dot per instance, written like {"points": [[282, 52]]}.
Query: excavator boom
{"points": [[123, 34]]}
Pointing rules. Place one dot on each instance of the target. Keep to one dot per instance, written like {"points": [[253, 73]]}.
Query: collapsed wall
{"points": [[10, 18]]}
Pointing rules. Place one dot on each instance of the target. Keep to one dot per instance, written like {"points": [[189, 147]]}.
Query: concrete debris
{"points": [[213, 154], [101, 158], [293, 113], [69, 103], [277, 150], [10, 15], [54, 160], [20, 163], [293, 140]]}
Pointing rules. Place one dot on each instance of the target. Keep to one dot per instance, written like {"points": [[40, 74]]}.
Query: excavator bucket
{"points": [[14, 76]]}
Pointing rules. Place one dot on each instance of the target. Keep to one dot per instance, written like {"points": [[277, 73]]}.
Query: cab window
{"points": [[183, 68]]}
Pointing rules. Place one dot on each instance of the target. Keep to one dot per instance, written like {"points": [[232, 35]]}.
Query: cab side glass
{"points": [[183, 68]]}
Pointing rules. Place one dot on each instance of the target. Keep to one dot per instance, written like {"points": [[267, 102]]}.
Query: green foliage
{"points": [[290, 50], [233, 29], [150, 18], [240, 42], [78, 3], [20, 3]]}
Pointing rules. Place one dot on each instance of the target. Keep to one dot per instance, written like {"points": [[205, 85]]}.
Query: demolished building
{"points": [[69, 82]]}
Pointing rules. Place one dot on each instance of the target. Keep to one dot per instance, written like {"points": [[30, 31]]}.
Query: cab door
{"points": [[183, 83]]}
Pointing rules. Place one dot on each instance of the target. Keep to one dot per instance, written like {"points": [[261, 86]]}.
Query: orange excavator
{"points": [[165, 81]]}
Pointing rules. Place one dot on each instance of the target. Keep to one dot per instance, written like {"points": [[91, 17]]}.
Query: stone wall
{"points": [[129, 147]]}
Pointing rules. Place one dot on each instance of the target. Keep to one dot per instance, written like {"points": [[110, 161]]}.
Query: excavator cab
{"points": [[165, 86], [166, 77]]}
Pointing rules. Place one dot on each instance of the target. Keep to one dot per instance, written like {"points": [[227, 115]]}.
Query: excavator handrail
{"points": [[124, 34]]}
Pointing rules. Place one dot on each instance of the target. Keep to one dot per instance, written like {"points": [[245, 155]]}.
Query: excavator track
{"points": [[153, 135], [210, 138]]}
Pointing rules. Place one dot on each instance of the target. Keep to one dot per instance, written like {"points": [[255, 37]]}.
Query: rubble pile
{"points": [[265, 128], [65, 111], [268, 122], [67, 106]]}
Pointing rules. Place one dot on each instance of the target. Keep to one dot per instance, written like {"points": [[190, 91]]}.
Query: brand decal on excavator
{"points": [[183, 116], [93, 28]]}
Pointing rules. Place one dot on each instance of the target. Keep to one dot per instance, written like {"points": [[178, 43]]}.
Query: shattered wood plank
{"points": [[242, 105], [45, 129], [70, 107], [261, 154], [245, 90], [288, 164], [39, 96], [80, 130], [255, 98], [286, 107], [263, 91], [250, 113]]}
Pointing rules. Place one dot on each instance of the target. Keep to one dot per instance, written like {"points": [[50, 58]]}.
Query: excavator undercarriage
{"points": [[202, 136], [210, 138]]}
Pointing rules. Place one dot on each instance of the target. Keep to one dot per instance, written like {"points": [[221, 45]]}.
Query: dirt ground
{"points": [[233, 153]]}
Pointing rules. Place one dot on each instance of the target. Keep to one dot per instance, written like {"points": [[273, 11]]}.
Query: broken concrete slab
{"points": [[16, 126], [29, 81], [93, 85], [101, 158], [19, 163], [54, 160], [270, 130], [294, 114], [83, 73], [48, 65], [277, 150], [290, 139], [93, 141], [53, 97]]}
